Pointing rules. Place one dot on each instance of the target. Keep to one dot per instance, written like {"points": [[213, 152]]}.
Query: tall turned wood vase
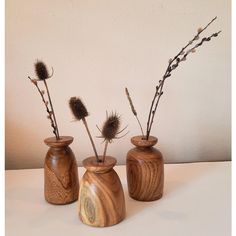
{"points": [[101, 196], [145, 170], [61, 184]]}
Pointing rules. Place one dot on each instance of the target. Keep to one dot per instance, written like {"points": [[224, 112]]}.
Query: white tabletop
{"points": [[196, 201]]}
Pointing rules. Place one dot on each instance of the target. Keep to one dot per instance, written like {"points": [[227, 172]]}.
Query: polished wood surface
{"points": [[61, 184], [101, 197], [145, 170]]}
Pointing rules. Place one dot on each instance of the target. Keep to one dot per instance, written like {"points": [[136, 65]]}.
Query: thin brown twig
{"points": [[170, 68], [53, 113], [46, 105]]}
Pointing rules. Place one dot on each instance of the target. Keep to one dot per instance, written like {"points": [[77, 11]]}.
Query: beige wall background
{"points": [[97, 48]]}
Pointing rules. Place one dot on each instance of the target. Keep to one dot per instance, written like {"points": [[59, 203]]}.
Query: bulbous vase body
{"points": [[101, 197]]}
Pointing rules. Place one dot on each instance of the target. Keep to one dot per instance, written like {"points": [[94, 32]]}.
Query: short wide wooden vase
{"points": [[145, 170], [101, 196], [61, 183]]}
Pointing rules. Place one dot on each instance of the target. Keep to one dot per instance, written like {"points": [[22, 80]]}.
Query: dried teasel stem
{"points": [[80, 112], [91, 139], [105, 150], [133, 109], [46, 105], [177, 59]]}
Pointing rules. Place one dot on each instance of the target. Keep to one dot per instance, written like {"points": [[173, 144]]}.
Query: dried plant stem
{"points": [[53, 113], [91, 139], [177, 59], [47, 108], [133, 109], [105, 150], [140, 125]]}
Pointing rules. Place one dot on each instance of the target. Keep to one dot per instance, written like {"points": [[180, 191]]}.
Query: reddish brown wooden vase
{"points": [[145, 170], [61, 184], [101, 197]]}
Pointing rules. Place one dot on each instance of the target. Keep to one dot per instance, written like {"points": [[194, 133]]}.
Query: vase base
{"points": [[145, 199], [61, 203]]}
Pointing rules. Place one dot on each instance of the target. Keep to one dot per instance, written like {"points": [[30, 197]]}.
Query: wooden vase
{"points": [[101, 197], [145, 170], [61, 184]]}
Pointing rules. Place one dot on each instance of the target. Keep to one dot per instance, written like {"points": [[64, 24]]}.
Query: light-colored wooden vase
{"points": [[101, 196], [61, 184], [145, 170]]}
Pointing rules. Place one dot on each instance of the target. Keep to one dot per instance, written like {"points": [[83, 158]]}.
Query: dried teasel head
{"points": [[111, 127], [78, 108], [41, 70]]}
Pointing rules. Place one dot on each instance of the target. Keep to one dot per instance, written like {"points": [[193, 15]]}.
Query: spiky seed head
{"points": [[111, 127], [78, 108], [41, 70]]}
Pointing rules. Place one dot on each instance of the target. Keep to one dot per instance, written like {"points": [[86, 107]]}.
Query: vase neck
{"points": [[141, 142], [92, 165], [64, 141]]}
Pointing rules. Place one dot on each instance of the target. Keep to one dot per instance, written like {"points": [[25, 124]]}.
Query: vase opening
{"points": [[139, 141], [92, 165], [63, 141]]}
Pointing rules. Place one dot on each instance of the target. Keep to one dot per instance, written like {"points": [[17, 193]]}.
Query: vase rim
{"points": [[62, 141], [139, 141], [92, 165]]}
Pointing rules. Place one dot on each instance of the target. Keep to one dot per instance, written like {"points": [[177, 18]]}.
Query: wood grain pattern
{"points": [[61, 184], [145, 170], [101, 197]]}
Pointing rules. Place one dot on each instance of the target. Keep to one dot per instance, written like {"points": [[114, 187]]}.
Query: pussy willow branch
{"points": [[46, 105], [53, 113], [170, 68]]}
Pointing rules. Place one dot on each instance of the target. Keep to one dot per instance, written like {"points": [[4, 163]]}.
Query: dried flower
{"points": [[41, 70], [78, 108], [110, 127], [130, 102]]}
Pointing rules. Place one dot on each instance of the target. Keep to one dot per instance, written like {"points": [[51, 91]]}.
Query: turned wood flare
{"points": [[145, 170], [61, 184], [101, 197]]}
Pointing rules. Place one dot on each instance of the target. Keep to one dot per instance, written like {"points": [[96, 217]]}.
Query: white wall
{"points": [[97, 48]]}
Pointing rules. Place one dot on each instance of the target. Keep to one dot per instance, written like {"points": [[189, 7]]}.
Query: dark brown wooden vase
{"points": [[61, 184], [101, 197], [145, 170]]}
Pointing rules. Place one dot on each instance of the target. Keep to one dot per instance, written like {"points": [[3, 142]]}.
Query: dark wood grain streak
{"points": [[145, 170], [101, 197], [61, 184]]}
